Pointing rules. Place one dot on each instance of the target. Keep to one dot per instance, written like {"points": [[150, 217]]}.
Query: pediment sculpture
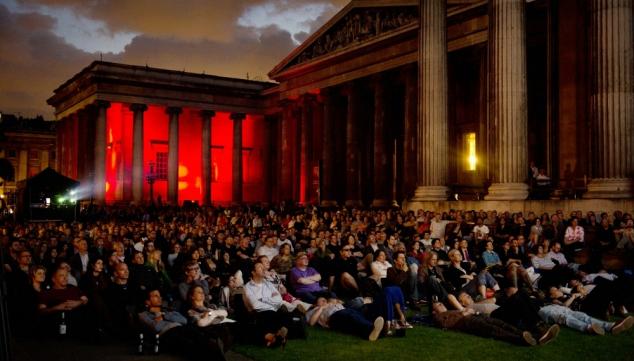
{"points": [[360, 24]]}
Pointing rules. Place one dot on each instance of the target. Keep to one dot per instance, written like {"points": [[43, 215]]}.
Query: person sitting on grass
{"points": [[334, 315], [290, 302], [465, 280], [64, 299], [174, 333], [430, 277], [345, 275], [305, 280], [264, 299], [208, 317]]}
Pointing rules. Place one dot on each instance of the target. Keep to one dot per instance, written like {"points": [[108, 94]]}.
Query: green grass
{"points": [[427, 343]]}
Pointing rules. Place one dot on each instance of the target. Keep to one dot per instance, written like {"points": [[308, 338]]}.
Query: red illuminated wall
{"points": [[119, 137], [189, 156], [221, 158], [253, 143], [155, 131], [118, 152]]}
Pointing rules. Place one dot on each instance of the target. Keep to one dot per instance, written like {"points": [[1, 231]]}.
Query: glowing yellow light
{"points": [[472, 160], [182, 171], [182, 185]]}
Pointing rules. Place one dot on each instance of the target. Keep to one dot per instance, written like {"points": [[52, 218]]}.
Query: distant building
{"points": [[29, 146]]}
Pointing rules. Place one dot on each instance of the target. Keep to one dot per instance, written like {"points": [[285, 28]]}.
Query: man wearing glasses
{"points": [[345, 273], [193, 277]]}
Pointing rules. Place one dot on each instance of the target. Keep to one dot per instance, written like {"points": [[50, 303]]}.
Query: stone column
{"points": [[433, 130], [84, 144], [294, 149], [270, 126], [328, 151], [353, 188], [381, 171], [286, 166], [137, 152], [410, 150], [507, 46], [305, 147], [172, 156], [237, 157], [99, 191], [612, 99], [206, 116]]}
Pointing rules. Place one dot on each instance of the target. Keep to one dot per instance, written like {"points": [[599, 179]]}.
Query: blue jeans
{"points": [[391, 296], [485, 278], [350, 321], [573, 319]]}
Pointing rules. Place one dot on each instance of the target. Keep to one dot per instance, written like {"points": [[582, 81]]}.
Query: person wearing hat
{"points": [[305, 280]]}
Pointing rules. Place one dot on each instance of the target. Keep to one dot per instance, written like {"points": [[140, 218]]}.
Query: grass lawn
{"points": [[427, 343]]}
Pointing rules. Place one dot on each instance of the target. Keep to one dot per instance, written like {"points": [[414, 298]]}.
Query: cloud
{"points": [[198, 36], [33, 62], [248, 54], [194, 19]]}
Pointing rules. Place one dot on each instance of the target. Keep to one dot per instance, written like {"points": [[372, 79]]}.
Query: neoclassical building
{"points": [[433, 103]]}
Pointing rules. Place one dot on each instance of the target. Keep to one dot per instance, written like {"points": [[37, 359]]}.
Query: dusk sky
{"points": [[45, 42]]}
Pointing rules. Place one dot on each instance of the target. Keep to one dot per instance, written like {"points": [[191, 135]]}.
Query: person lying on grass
{"points": [[516, 308], [468, 321], [334, 315]]}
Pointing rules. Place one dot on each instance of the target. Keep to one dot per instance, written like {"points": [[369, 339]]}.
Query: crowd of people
{"points": [[200, 276]]}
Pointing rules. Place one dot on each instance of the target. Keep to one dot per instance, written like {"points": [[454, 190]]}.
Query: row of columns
{"points": [[612, 106], [612, 100], [383, 175], [138, 166], [295, 156]]}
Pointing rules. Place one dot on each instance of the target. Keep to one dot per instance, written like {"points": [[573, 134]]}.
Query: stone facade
{"points": [[395, 103]]}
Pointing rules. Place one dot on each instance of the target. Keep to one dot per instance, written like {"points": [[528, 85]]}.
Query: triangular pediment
{"points": [[358, 22]]}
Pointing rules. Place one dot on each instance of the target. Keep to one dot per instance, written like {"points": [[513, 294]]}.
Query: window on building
{"points": [[471, 158], [161, 165], [34, 154], [11, 153], [53, 155]]}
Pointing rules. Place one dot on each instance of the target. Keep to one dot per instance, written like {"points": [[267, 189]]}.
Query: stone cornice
{"points": [[136, 84]]}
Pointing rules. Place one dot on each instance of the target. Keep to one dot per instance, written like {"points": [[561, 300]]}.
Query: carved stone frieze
{"points": [[359, 25]]}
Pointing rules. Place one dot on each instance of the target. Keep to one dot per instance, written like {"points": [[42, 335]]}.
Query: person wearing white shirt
{"points": [[480, 231], [558, 257], [574, 237], [264, 299], [437, 227], [555, 254], [261, 294], [269, 248], [284, 240]]}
